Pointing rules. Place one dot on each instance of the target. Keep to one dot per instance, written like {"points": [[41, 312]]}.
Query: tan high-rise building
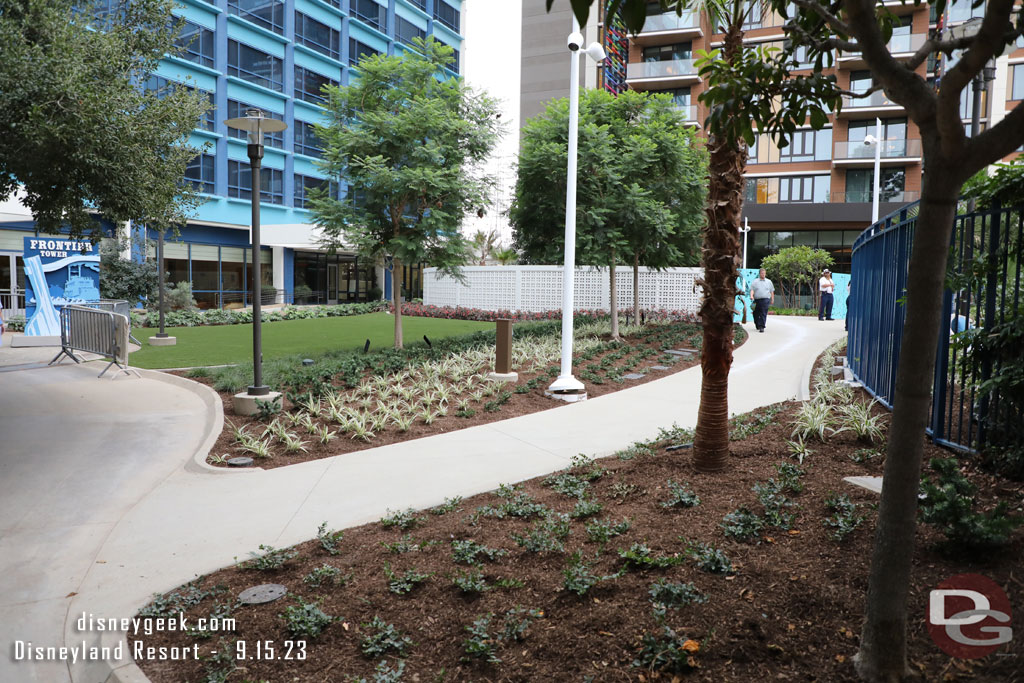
{"points": [[818, 190]]}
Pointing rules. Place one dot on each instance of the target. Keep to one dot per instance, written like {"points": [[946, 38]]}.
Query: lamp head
{"points": [[256, 123], [869, 140], [596, 52], [575, 41]]}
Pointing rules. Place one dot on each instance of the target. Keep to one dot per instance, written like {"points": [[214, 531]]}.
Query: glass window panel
{"points": [[668, 53], [306, 140], [823, 145], [371, 13], [405, 30], [255, 66], [317, 36], [196, 43], [1018, 82], [822, 187], [358, 49], [309, 85], [177, 268], [807, 238], [205, 274], [209, 252], [268, 14], [447, 15], [200, 171]]}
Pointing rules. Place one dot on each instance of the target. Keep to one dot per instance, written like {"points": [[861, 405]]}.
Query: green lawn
{"points": [[224, 344]]}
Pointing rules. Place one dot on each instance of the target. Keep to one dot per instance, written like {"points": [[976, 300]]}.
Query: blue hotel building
{"points": [[275, 55]]}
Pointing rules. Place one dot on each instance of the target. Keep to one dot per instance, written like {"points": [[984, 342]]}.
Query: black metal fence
{"points": [[971, 408]]}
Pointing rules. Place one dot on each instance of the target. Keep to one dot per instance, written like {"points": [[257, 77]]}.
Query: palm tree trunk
{"points": [[396, 297], [883, 643], [636, 289], [614, 303], [720, 250]]}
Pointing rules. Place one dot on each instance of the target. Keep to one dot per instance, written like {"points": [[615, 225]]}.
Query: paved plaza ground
{"points": [[105, 498]]}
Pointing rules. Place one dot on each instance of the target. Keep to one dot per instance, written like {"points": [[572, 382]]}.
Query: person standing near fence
{"points": [[762, 292], [825, 288]]}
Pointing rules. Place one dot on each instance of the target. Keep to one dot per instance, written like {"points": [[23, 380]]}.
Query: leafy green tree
{"points": [[639, 185], [407, 140], [78, 135], [796, 266], [126, 279], [817, 29]]}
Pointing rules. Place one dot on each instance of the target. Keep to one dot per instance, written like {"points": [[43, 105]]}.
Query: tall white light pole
{"points": [[876, 140], [745, 229], [566, 387]]}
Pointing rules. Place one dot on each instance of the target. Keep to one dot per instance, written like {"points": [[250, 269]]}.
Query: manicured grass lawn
{"points": [[224, 344]]}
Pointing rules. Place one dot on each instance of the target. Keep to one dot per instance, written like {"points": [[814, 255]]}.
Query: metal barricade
{"points": [[87, 329], [118, 306]]}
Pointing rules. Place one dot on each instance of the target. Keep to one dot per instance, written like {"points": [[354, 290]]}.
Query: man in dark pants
{"points": [[825, 288], [762, 292]]}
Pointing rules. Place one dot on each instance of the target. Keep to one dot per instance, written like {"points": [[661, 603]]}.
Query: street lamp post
{"points": [[255, 123], [566, 387], [745, 229], [876, 140], [161, 338]]}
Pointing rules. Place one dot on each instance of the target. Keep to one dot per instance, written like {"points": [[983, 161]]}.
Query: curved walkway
{"points": [[157, 523]]}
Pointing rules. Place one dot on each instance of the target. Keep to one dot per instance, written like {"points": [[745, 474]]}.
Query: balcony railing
{"points": [[689, 111], [891, 149], [669, 21], [875, 99], [897, 45], [865, 196], [675, 67]]}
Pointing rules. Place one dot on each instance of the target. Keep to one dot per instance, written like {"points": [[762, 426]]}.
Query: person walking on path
{"points": [[762, 291], [825, 288]]}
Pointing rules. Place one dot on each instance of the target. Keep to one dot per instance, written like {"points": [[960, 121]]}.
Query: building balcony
{"points": [[669, 25], [900, 47], [865, 197], [875, 104], [689, 112], [893, 152], [665, 74]]}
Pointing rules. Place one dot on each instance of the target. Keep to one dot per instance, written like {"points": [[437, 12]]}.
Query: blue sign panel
{"points": [[58, 272]]}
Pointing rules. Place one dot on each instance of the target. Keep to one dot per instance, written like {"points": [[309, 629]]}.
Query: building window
{"points": [[369, 12], [306, 140], [808, 145], [357, 50], [422, 4], [240, 183], [447, 15], [788, 190], [309, 85], [860, 185], [304, 184], [236, 110], [268, 14], [255, 66], [318, 36], [405, 31], [196, 43], [456, 57], [200, 172], [1018, 82], [668, 53], [161, 86]]}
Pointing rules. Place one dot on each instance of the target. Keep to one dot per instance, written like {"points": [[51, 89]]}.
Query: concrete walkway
{"points": [[174, 520]]}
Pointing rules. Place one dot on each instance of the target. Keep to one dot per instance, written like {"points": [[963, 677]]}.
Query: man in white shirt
{"points": [[825, 289], [762, 292]]}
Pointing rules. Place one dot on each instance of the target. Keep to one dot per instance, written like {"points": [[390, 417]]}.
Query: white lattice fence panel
{"points": [[539, 288]]}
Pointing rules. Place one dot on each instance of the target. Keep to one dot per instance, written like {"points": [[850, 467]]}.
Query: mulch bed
{"points": [[518, 404], [792, 609]]}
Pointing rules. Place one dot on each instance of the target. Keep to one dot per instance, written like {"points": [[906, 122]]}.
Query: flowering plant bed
{"points": [[629, 568], [367, 401], [463, 313]]}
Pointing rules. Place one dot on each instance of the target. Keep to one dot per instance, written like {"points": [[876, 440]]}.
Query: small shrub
{"points": [[799, 450], [449, 505], [863, 455], [674, 594], [271, 558], [567, 484], [407, 544], [620, 490], [639, 556], [709, 558], [586, 508], [579, 576], [383, 673], [813, 419], [546, 535], [382, 638], [403, 520], [742, 524], [789, 477], [404, 584], [844, 519], [516, 504], [306, 619], [325, 574], [495, 405], [669, 652], [266, 410], [329, 540], [480, 643], [680, 496], [602, 530], [948, 504], [470, 552]]}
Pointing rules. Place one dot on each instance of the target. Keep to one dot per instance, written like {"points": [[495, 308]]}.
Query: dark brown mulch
{"points": [[518, 404], [791, 611]]}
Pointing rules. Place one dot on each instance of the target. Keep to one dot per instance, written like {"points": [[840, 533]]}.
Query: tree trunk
{"points": [[720, 250], [396, 298], [883, 644], [614, 302], [636, 289]]}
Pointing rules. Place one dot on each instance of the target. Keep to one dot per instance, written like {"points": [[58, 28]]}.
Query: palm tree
{"points": [[484, 244], [507, 256]]}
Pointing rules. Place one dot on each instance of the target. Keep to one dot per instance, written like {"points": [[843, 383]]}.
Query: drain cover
{"points": [[239, 461], [257, 595], [307, 361], [633, 375], [659, 367]]}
